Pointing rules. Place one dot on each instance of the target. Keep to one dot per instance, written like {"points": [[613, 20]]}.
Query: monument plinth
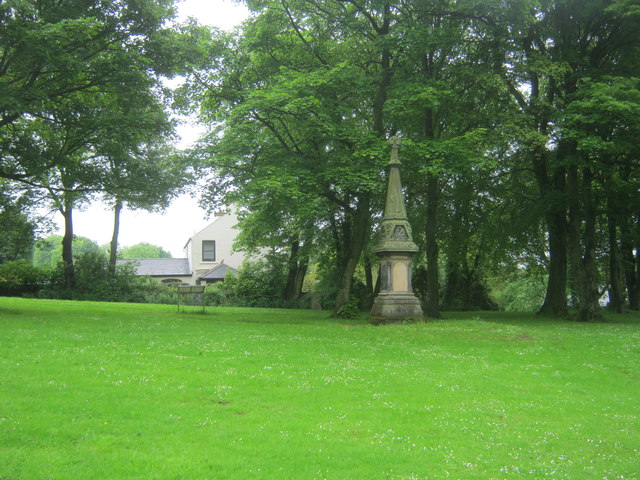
{"points": [[396, 300]]}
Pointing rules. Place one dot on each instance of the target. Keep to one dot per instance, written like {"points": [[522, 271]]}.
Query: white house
{"points": [[209, 256]]}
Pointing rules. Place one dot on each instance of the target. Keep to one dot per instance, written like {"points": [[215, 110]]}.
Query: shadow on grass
{"points": [[531, 318]]}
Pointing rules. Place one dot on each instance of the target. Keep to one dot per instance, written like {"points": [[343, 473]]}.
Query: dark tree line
{"points": [[519, 122]]}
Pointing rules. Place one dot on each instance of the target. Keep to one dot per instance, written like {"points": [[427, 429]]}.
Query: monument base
{"points": [[395, 307]]}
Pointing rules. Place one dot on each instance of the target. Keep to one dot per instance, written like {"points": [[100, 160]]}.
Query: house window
{"points": [[208, 250]]}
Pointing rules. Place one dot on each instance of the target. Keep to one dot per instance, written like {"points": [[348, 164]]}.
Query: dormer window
{"points": [[208, 250]]}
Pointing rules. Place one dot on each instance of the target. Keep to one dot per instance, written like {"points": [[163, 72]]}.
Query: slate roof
{"points": [[218, 272], [160, 267]]}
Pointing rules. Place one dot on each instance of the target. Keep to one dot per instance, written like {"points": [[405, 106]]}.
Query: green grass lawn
{"points": [[117, 391]]}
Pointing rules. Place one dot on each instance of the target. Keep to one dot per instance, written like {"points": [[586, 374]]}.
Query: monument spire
{"points": [[396, 300], [394, 206], [396, 230]]}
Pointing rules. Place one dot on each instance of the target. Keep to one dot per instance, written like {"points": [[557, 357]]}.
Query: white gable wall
{"points": [[223, 232]]}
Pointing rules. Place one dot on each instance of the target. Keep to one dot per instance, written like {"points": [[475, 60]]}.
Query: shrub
{"points": [[95, 280], [148, 290], [258, 284], [222, 294], [524, 294], [20, 278], [326, 288], [351, 309]]}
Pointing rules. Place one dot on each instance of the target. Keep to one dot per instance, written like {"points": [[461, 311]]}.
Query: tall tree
{"points": [[603, 122], [97, 123], [18, 230], [301, 80], [558, 44], [48, 251], [51, 50], [491, 99], [143, 250]]}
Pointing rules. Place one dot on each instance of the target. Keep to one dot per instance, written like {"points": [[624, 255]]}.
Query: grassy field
{"points": [[116, 391]]}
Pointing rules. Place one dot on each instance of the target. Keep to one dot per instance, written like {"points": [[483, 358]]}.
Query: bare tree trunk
{"points": [[67, 242], [555, 299], [290, 290], [616, 272], [356, 232], [582, 244], [631, 260], [432, 289], [113, 251], [368, 278], [432, 305], [303, 265], [551, 192]]}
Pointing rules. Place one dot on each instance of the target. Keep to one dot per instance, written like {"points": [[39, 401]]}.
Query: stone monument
{"points": [[396, 300]]}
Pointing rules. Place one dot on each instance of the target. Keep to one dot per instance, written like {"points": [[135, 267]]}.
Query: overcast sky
{"points": [[171, 229]]}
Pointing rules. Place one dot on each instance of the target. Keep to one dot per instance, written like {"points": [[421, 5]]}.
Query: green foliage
{"points": [[48, 252], [83, 111], [349, 310], [63, 66], [517, 124], [149, 290], [524, 294], [17, 238], [143, 250], [466, 291], [220, 294], [258, 284], [322, 284], [20, 278], [96, 280], [604, 116]]}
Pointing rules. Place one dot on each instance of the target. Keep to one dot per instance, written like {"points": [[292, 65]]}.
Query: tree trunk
{"points": [[290, 289], [555, 299], [303, 265], [113, 251], [582, 245], [357, 227], [368, 278], [67, 243], [432, 306], [616, 278], [452, 300], [630, 250], [356, 233], [551, 193]]}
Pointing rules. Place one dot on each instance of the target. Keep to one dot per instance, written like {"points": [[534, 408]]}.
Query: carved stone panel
{"points": [[400, 234]]}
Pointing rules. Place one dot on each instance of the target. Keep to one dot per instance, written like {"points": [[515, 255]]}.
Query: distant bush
{"points": [[524, 294], [258, 283], [222, 294], [95, 280], [48, 251], [143, 250], [20, 278], [148, 290]]}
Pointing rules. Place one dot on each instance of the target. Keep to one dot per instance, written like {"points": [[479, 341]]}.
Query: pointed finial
{"points": [[394, 142]]}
